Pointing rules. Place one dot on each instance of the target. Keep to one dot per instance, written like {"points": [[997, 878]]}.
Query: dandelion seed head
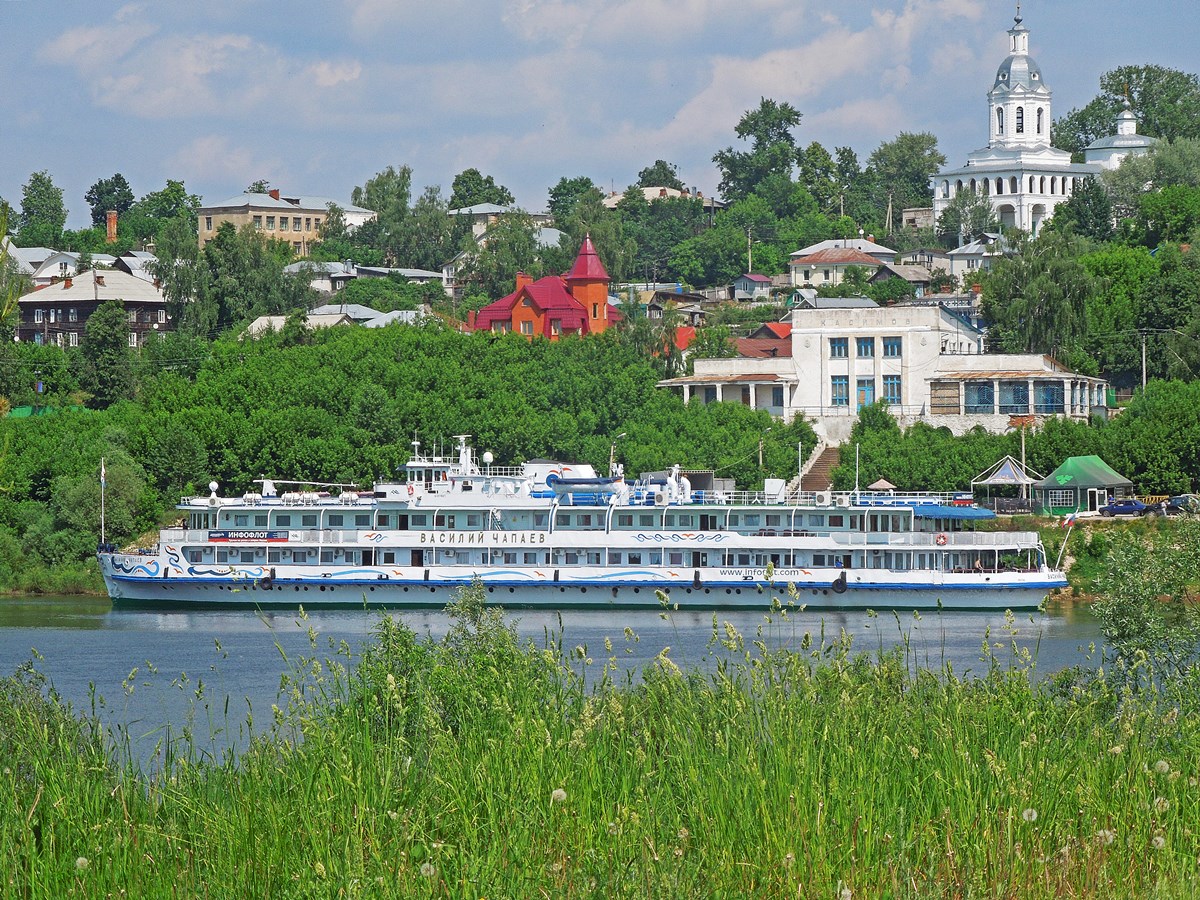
{"points": [[789, 860], [1116, 749], [1161, 804], [914, 752], [682, 834], [1158, 842], [612, 827], [1029, 815], [558, 795], [1162, 767], [81, 863], [428, 870], [1106, 836], [844, 893], [319, 868]]}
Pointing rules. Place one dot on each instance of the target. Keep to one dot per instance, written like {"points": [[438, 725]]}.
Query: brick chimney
{"points": [[662, 192], [67, 284], [274, 192], [111, 219], [523, 280], [471, 320]]}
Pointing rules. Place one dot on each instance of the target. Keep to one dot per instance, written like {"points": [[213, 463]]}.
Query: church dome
{"points": [[1019, 70]]}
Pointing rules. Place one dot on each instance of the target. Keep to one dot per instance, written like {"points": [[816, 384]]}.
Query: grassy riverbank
{"points": [[477, 766]]}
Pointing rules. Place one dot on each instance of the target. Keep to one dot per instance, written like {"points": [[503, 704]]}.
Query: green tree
{"points": [[42, 212], [107, 373], [966, 217], [1038, 297], [142, 223], [176, 258], [511, 247], [387, 193], [1165, 101], [471, 187], [590, 216], [711, 342], [109, 194], [772, 148], [661, 174], [261, 186], [901, 170], [566, 193], [1088, 212], [1169, 214], [819, 175], [1168, 163]]}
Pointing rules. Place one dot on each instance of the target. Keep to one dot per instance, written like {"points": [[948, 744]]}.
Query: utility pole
{"points": [[1143, 360], [749, 252]]}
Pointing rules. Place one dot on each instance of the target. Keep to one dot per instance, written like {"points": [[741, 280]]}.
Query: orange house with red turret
{"points": [[575, 303]]}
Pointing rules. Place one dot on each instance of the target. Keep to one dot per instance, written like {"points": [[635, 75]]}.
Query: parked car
{"points": [[1182, 503], [1125, 506]]}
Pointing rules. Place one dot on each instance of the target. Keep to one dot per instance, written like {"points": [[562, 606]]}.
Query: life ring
{"points": [[839, 584], [411, 490], [265, 582], [940, 540]]}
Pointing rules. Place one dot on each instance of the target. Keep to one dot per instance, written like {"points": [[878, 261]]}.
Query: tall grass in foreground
{"points": [[478, 766]]}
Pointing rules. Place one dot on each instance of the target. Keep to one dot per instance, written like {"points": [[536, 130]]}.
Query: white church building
{"points": [[1020, 172]]}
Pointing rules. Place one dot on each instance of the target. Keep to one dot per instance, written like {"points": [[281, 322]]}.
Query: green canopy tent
{"points": [[1080, 483]]}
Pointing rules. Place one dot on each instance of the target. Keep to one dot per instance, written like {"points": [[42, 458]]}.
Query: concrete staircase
{"points": [[818, 476]]}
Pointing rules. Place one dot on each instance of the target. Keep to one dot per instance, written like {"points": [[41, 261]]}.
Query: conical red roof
{"points": [[587, 264]]}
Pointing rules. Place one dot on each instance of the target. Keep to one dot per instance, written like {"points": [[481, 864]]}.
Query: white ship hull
{"points": [[137, 579]]}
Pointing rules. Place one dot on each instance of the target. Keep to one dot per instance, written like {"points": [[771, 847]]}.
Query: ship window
{"points": [[241, 521], [625, 520], [585, 520], [272, 556], [363, 520], [773, 519], [382, 521], [572, 557], [388, 558], [634, 559], [675, 558], [685, 521], [743, 559], [510, 558], [260, 521], [539, 520], [308, 520], [247, 556], [854, 523], [669, 520], [646, 520], [326, 556], [474, 520], [614, 558], [753, 519], [195, 556], [300, 556], [655, 558], [222, 556], [530, 558], [283, 521], [562, 520], [336, 520], [420, 521], [733, 518], [817, 521]]}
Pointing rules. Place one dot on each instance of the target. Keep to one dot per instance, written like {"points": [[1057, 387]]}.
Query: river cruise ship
{"points": [[550, 535]]}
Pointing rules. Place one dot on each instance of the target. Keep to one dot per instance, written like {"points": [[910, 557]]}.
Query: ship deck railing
{"points": [[892, 540]]}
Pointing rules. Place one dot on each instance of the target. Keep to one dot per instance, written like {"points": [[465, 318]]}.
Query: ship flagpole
{"points": [[103, 485]]}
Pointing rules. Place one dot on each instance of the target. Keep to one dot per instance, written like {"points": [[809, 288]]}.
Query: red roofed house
{"points": [[829, 266], [575, 303]]}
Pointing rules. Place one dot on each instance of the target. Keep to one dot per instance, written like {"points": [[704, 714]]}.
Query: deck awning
{"points": [[961, 513]]}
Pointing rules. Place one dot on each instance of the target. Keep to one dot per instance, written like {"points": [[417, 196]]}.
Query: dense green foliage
{"points": [[340, 405], [477, 765]]}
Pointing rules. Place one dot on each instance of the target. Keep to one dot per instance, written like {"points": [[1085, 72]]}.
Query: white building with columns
{"points": [[925, 361], [1020, 172]]}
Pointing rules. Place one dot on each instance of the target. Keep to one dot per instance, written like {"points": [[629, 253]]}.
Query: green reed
{"points": [[482, 766]]}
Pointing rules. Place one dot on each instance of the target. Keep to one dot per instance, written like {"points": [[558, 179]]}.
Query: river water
{"points": [[151, 673]]}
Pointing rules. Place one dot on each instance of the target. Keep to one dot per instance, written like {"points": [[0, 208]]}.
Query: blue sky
{"points": [[318, 96]]}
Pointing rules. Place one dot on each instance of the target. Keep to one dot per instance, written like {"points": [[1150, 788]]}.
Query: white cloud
{"points": [[329, 74], [215, 158]]}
